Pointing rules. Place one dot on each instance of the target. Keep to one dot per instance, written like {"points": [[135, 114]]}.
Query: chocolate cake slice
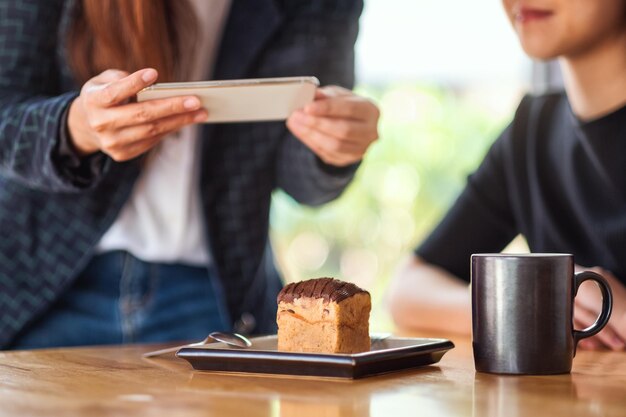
{"points": [[323, 315]]}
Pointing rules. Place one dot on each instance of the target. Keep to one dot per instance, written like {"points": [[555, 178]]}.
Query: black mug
{"points": [[522, 312]]}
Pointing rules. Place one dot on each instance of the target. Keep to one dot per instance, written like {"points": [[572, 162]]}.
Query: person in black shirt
{"points": [[556, 175]]}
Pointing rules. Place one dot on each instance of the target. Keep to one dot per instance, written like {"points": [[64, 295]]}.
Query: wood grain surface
{"points": [[116, 380]]}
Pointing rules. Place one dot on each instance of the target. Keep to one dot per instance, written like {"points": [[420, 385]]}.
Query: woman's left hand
{"points": [[338, 126]]}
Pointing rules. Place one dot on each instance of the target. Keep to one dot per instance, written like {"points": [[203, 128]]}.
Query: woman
{"points": [[124, 222], [556, 175]]}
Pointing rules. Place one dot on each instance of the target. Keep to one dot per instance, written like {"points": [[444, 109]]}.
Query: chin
{"points": [[542, 55], [540, 49]]}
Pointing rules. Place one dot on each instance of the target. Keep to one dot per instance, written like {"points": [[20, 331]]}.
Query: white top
{"points": [[162, 221]]}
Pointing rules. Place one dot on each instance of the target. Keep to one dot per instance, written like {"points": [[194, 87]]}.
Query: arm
{"points": [[425, 296], [431, 291], [43, 135], [306, 178], [312, 166], [31, 111]]}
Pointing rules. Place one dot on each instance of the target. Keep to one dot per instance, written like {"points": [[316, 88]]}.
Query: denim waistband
{"points": [[121, 299]]}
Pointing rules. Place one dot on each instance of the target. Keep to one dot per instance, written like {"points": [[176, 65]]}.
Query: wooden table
{"points": [[115, 380]]}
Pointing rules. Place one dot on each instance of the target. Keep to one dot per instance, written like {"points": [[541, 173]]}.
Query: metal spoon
{"points": [[231, 339]]}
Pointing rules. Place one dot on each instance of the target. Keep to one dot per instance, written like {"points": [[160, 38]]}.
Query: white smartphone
{"points": [[251, 100]]}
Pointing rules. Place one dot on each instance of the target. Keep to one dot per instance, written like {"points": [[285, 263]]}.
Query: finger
{"points": [[335, 107], [147, 111], [124, 144], [589, 344], [608, 337], [326, 156], [136, 148], [121, 90], [345, 129], [320, 94], [331, 91], [329, 143], [128, 135], [346, 105], [109, 76]]}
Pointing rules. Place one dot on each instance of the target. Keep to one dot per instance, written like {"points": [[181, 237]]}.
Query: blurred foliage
{"points": [[431, 138]]}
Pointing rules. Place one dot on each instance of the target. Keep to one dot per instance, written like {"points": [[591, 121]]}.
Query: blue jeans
{"points": [[121, 299]]}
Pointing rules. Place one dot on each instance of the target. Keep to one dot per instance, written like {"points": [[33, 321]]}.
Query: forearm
{"points": [[30, 130], [32, 102], [425, 297]]}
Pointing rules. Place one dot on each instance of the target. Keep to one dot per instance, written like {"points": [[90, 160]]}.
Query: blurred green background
{"points": [[446, 89], [430, 139]]}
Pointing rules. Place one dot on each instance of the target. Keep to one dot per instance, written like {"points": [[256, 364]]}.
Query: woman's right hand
{"points": [[102, 118]]}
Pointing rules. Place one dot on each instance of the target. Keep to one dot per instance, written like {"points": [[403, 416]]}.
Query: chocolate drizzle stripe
{"points": [[296, 288], [324, 291], [318, 287]]}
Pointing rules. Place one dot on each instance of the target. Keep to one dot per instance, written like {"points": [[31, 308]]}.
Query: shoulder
{"points": [[540, 108], [535, 120], [538, 115], [17, 9], [28, 21], [30, 41]]}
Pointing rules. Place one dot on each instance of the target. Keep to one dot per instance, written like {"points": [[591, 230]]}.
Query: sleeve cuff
{"points": [[336, 171], [80, 171]]}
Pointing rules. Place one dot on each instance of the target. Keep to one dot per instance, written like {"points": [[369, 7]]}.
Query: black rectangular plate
{"points": [[387, 355]]}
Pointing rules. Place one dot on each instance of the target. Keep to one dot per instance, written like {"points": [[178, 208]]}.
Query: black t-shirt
{"points": [[558, 181]]}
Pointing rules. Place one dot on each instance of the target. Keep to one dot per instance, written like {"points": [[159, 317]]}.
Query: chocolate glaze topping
{"points": [[329, 289]]}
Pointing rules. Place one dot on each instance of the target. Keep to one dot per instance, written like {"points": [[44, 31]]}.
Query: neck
{"points": [[596, 79]]}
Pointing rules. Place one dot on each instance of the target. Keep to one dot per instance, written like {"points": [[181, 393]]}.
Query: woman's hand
{"points": [[587, 308], [338, 126], [102, 118]]}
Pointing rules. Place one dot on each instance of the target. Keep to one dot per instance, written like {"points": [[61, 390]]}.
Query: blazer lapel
{"points": [[250, 25]]}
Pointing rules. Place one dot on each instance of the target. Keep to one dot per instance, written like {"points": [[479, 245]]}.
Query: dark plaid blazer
{"points": [[52, 216]]}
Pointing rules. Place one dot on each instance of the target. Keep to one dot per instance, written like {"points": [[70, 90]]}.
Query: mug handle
{"points": [[607, 304]]}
